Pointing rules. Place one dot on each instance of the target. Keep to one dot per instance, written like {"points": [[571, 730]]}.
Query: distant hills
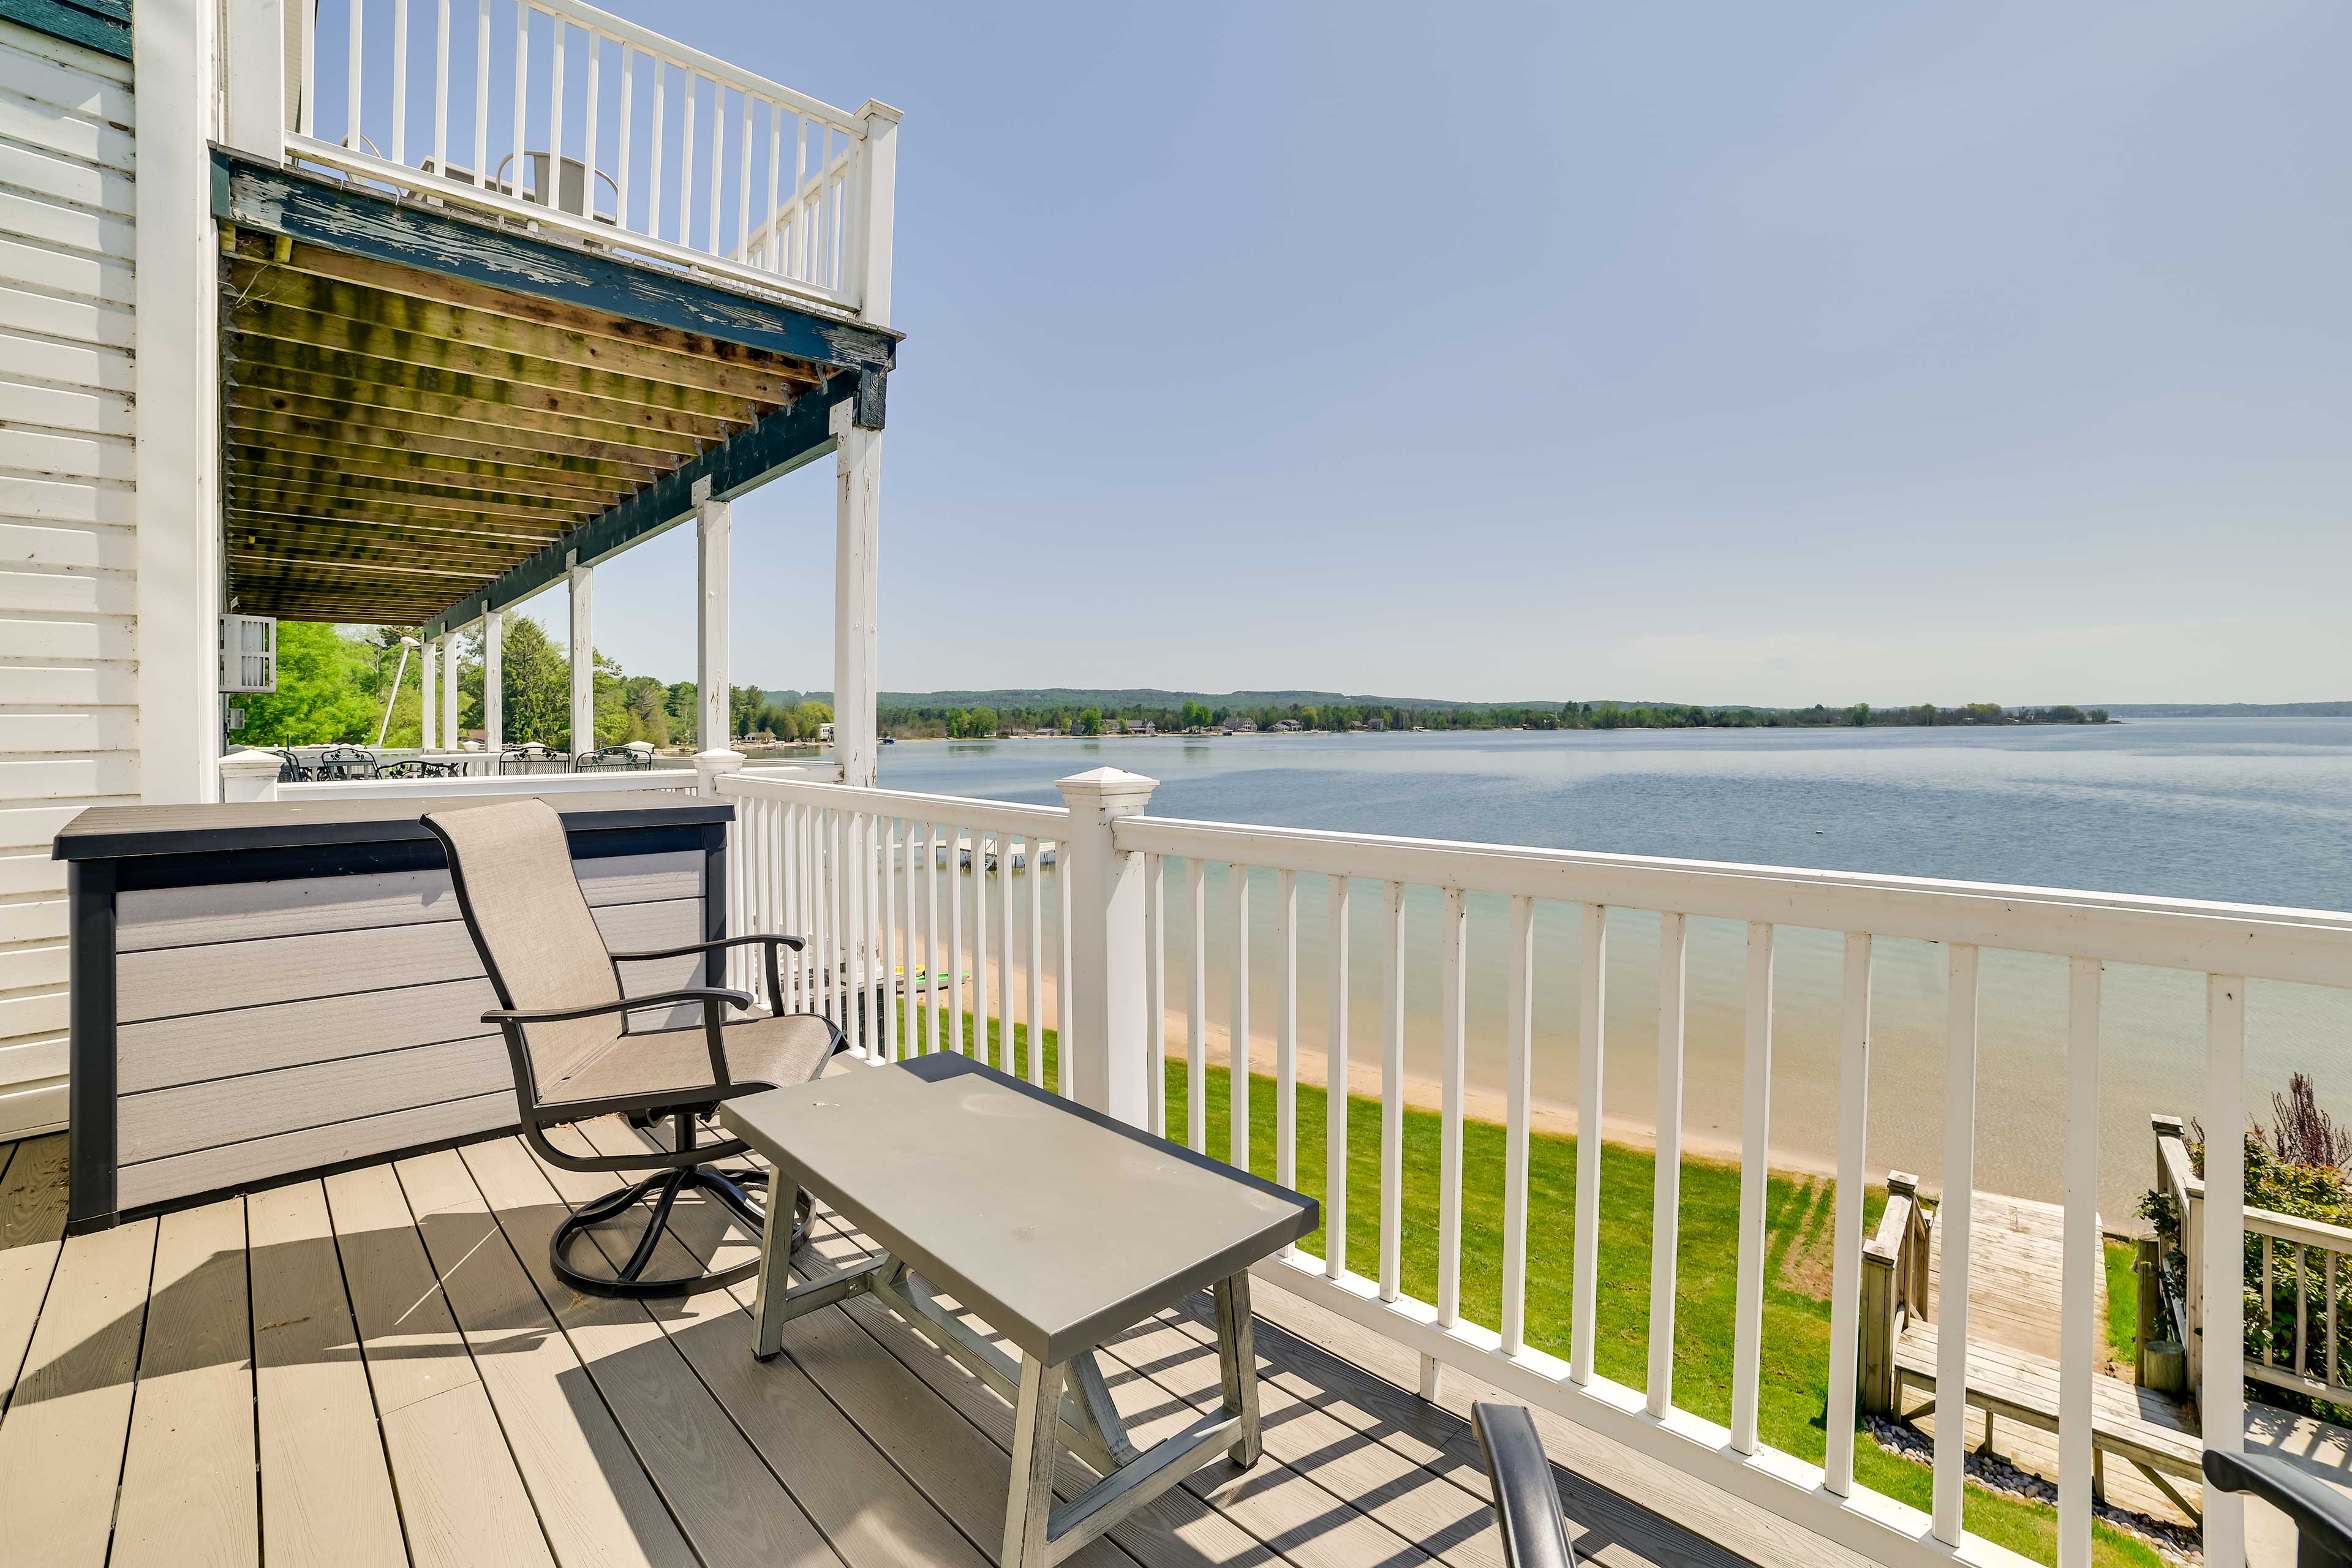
{"points": [[1153, 697]]}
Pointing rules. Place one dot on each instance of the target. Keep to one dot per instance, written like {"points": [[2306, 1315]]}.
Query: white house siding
{"points": [[68, 715]]}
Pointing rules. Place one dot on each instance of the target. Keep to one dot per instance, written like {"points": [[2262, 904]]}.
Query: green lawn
{"points": [[1794, 1385]]}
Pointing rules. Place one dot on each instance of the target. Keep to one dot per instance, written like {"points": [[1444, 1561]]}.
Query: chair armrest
{"points": [[706, 994], [794, 943], [2322, 1515], [1526, 1504]]}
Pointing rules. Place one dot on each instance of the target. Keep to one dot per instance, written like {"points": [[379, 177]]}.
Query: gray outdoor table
{"points": [[1055, 1225]]}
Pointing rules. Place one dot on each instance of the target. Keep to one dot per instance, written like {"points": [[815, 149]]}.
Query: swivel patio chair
{"points": [[1526, 1504], [566, 1018]]}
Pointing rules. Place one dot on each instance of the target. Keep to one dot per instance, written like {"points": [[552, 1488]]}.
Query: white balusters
{"points": [[1237, 1096], [1665, 1215], [1755, 1181], [1286, 1028], [1952, 1226], [1004, 953], [1335, 1101], [1037, 1063], [2082, 1266], [481, 93], [886, 957], [936, 958], [1452, 958], [2222, 1398], [1845, 1269], [980, 945], [1392, 1091], [399, 148], [1591, 1018], [955, 939], [1196, 1010], [1518, 1088], [1155, 991]]}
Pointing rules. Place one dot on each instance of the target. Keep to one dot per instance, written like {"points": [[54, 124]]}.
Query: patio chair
{"points": [[566, 1018], [532, 757], [344, 763], [290, 769], [2322, 1516], [1527, 1503], [612, 759]]}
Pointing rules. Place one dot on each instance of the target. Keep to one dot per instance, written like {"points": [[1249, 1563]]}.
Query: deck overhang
{"points": [[426, 415]]}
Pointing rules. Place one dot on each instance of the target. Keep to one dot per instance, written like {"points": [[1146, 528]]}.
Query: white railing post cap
{"points": [[250, 763], [874, 109], [709, 766], [1107, 789]]}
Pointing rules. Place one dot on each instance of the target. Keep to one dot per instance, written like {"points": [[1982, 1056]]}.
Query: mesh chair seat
{"points": [[767, 1052]]}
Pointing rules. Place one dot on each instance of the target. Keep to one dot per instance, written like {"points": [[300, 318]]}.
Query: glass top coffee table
{"points": [[1057, 1226]]}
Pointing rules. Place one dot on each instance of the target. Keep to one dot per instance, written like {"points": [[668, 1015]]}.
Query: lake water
{"points": [[2251, 810]]}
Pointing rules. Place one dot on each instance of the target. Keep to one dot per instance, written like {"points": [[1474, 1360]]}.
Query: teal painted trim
{"points": [[786, 439], [257, 194], [100, 25]]}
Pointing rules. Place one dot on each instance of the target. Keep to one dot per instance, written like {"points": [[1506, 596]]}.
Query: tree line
{"points": [[333, 681], [983, 722]]}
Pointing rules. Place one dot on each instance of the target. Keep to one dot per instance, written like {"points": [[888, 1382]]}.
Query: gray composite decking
{"points": [[379, 1368]]}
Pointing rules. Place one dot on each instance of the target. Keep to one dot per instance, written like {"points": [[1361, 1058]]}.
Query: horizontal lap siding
{"points": [[69, 640], [273, 1027]]}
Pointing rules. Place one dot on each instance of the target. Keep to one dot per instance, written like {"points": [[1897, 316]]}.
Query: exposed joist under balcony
{"points": [[419, 406]]}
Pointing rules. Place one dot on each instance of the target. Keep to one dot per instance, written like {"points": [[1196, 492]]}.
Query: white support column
{"points": [[428, 671], [494, 695], [583, 657], [856, 596], [877, 210], [449, 690], [177, 551], [713, 520], [256, 76], [1106, 1050]]}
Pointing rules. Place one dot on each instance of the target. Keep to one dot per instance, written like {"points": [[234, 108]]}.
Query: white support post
{"points": [[449, 690], [1106, 1048], [494, 694], [256, 76], [583, 652], [177, 549], [713, 519], [877, 201], [250, 775], [856, 596], [711, 766], [428, 674]]}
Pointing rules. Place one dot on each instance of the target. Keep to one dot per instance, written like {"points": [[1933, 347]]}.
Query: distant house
{"points": [[1142, 727], [1288, 726], [1238, 725]]}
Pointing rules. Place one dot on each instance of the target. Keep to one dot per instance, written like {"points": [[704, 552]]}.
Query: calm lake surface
{"points": [[2251, 810]]}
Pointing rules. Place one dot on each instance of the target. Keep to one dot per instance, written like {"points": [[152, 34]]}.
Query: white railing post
{"points": [[856, 595], [449, 690], [1105, 1050], [250, 775], [493, 683], [256, 77], [584, 651], [712, 765], [428, 686], [713, 520], [877, 197]]}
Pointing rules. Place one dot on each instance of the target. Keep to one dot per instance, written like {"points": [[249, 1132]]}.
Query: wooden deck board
{"points": [[189, 1490], [62, 1439], [424, 1391], [460, 1494]]}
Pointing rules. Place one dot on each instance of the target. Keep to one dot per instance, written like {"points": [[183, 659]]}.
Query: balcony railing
{"points": [[572, 119], [902, 954]]}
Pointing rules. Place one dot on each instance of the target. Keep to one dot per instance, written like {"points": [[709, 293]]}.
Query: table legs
{"points": [[1037, 1533]]}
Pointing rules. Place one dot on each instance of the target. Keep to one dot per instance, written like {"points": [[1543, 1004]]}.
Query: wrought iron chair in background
{"points": [[344, 763], [290, 770], [419, 768], [613, 759], [566, 1018], [532, 757]]}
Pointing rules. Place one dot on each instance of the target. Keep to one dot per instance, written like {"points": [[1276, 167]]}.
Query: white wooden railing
{"points": [[896, 893], [573, 121], [2307, 1259]]}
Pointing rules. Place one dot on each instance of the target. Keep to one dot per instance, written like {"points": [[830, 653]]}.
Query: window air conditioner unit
{"points": [[248, 653]]}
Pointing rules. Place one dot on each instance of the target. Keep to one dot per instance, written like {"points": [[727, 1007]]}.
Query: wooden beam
{"points": [[261, 318], [782, 442], [773, 380], [311, 462], [261, 493], [255, 384], [266, 504], [304, 539], [253, 193], [488, 399], [441, 289]]}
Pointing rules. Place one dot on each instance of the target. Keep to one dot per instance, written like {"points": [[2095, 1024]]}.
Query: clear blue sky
{"points": [[1775, 353]]}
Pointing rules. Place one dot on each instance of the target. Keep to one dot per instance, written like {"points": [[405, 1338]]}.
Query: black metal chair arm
{"points": [[794, 943], [1527, 1503], [2322, 1515], [706, 994]]}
